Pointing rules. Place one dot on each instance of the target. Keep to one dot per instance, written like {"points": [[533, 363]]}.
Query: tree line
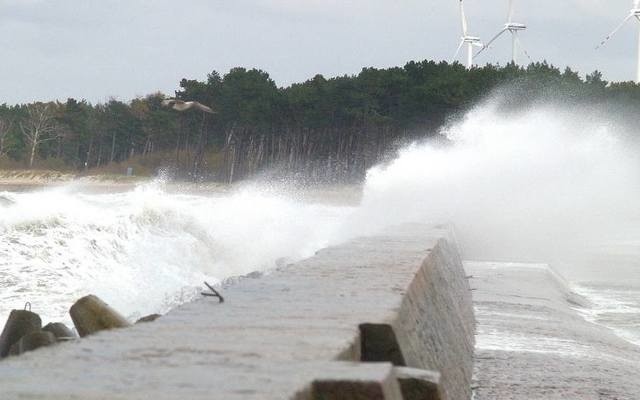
{"points": [[323, 129]]}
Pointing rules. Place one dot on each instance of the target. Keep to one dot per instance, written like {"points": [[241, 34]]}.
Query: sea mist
{"points": [[540, 183]]}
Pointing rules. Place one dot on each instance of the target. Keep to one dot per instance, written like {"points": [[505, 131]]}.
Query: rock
{"points": [[60, 331], [149, 318], [34, 340], [19, 324], [91, 315]]}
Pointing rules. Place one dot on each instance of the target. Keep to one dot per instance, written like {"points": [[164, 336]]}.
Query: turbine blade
{"points": [[523, 49], [455, 56], [510, 16], [463, 17], [609, 36], [490, 42]]}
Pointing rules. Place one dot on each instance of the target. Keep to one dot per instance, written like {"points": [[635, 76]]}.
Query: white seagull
{"points": [[180, 105]]}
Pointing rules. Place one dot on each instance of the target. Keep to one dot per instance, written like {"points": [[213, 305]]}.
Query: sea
{"points": [[552, 185]]}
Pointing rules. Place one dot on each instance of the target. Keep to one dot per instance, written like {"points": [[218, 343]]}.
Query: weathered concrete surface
{"points": [[436, 325], [533, 344], [281, 336]]}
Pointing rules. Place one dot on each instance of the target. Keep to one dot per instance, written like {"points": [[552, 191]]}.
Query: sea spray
{"points": [[550, 183], [146, 250], [535, 185]]}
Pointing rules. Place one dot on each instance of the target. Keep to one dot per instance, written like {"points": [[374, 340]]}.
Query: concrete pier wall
{"points": [[533, 342], [382, 317], [436, 323]]}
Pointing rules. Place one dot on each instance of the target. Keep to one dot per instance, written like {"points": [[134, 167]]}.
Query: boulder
{"points": [[60, 331], [91, 315], [19, 324]]}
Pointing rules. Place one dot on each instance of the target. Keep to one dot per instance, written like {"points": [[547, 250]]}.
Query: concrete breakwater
{"points": [[383, 317], [533, 343]]}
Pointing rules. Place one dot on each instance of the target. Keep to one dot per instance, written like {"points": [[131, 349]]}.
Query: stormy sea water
{"points": [[148, 249], [552, 185]]}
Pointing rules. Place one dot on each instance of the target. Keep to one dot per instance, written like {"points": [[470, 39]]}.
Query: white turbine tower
{"points": [[470, 41], [513, 28], [635, 12]]}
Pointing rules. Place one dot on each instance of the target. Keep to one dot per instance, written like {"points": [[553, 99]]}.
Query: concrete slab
{"points": [[276, 335], [533, 344]]}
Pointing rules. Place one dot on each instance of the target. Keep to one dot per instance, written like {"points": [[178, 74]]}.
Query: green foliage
{"points": [[322, 119]]}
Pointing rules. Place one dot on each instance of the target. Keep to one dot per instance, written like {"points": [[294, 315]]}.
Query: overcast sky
{"points": [[96, 49]]}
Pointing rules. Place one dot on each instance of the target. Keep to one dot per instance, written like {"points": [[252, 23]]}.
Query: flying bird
{"points": [[180, 105]]}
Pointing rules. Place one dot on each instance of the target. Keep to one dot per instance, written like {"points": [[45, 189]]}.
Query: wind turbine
{"points": [[635, 12], [470, 41], [513, 28]]}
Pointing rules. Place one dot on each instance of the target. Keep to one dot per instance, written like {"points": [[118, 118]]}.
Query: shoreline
{"points": [[24, 180], [332, 194]]}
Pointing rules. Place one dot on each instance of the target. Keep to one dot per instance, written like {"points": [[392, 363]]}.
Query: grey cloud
{"points": [[96, 49]]}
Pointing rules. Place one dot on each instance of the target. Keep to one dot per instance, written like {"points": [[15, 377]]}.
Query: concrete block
{"points": [[59, 330], [418, 384], [91, 315], [379, 344], [19, 323], [34, 340], [375, 381]]}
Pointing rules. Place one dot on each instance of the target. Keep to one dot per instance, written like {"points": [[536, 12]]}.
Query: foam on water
{"points": [[145, 250], [507, 341], [615, 307]]}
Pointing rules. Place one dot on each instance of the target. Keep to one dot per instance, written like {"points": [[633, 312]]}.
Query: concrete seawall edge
{"points": [[391, 312]]}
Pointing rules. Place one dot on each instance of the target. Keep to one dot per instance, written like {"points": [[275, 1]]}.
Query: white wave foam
{"points": [[617, 308], [508, 341], [145, 250], [530, 186]]}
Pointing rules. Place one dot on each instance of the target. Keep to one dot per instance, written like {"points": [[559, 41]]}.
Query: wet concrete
{"points": [[532, 342], [292, 333]]}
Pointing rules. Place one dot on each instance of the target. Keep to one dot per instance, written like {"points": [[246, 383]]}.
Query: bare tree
{"points": [[5, 127], [38, 127]]}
